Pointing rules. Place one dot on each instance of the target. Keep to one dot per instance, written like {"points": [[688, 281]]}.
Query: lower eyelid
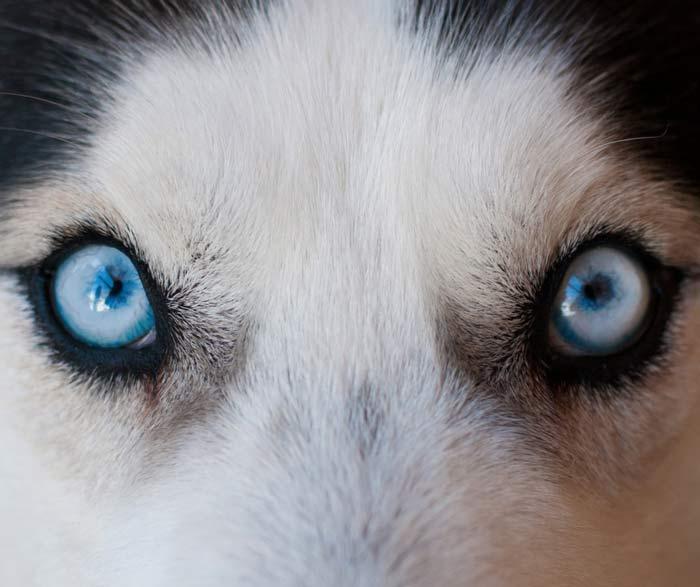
{"points": [[144, 341]]}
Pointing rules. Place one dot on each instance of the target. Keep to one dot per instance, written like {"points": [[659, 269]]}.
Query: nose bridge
{"points": [[350, 463], [371, 484]]}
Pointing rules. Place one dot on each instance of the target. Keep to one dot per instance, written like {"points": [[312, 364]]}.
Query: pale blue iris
{"points": [[602, 303], [98, 296]]}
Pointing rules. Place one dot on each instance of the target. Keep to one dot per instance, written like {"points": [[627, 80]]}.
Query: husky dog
{"points": [[349, 293]]}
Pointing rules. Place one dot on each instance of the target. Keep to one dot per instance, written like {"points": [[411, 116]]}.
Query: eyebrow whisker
{"points": [[598, 148], [47, 135], [60, 105]]}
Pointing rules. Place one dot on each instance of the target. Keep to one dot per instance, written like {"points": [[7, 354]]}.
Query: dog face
{"points": [[356, 227]]}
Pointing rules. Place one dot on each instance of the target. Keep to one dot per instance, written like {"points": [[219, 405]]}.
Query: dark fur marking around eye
{"points": [[125, 363], [497, 351], [604, 373]]}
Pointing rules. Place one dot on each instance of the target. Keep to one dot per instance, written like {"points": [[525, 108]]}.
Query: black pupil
{"points": [[598, 289], [116, 288]]}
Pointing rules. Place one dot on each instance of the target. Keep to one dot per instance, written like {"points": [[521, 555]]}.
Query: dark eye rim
{"points": [[564, 371], [91, 361]]}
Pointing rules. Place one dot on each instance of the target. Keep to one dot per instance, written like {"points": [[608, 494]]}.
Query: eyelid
{"points": [[122, 362], [692, 273], [144, 341], [560, 372]]}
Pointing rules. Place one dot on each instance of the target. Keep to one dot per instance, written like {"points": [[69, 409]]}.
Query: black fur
{"points": [[646, 54], [52, 56], [46, 60], [642, 58]]}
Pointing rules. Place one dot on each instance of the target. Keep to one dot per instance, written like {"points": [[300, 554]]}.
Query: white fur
{"points": [[328, 182]]}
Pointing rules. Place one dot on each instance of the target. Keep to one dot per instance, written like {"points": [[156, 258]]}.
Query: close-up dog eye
{"points": [[98, 297], [369, 293], [603, 304], [98, 309], [607, 311]]}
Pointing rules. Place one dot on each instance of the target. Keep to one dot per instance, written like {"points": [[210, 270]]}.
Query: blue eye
{"points": [[602, 305], [99, 299]]}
